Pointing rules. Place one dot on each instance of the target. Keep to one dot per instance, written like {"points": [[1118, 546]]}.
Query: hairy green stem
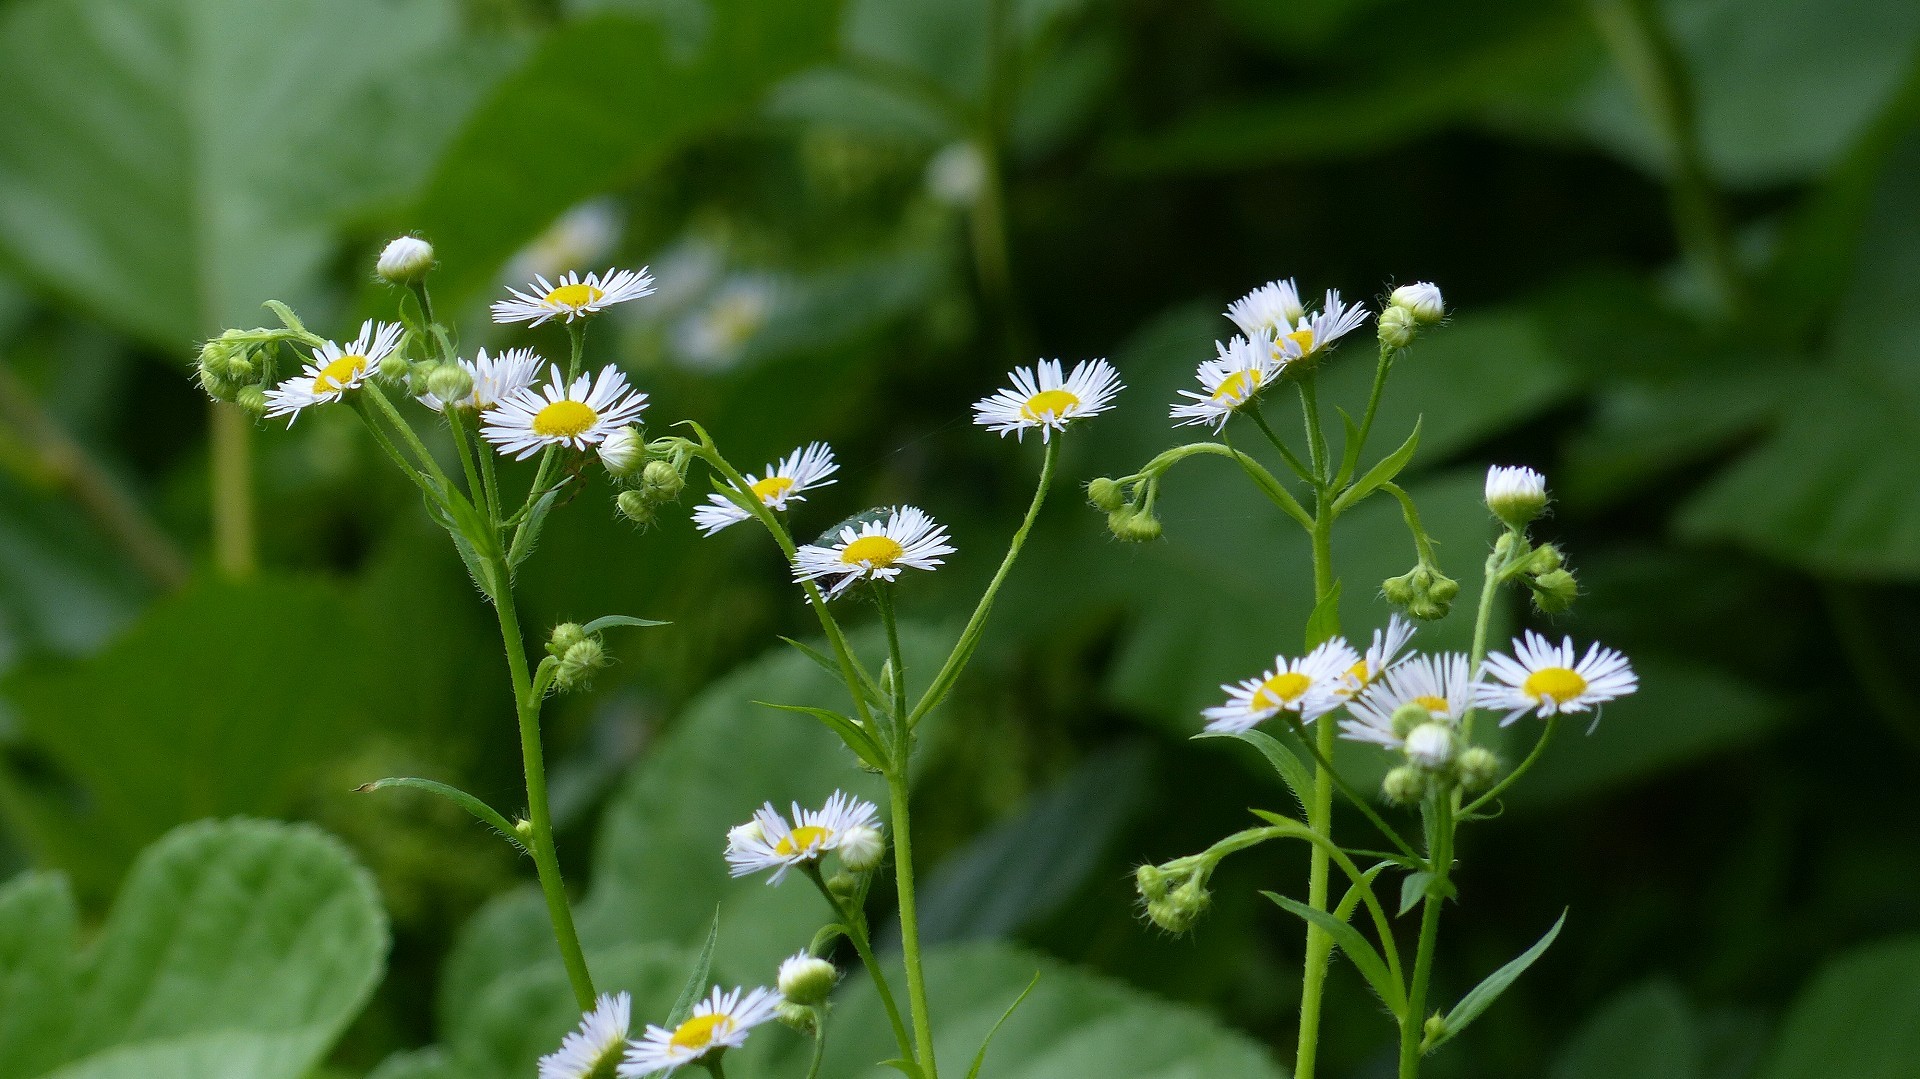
{"points": [[1293, 461], [855, 922], [1316, 435], [1319, 947], [910, 920], [1350, 455], [1413, 1023]]}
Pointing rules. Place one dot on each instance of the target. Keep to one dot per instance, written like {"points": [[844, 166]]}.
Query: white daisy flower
{"points": [[876, 551], [573, 297], [592, 1050], [722, 1021], [1542, 677], [1309, 686], [1272, 309], [1381, 655], [1243, 368], [1318, 332], [1041, 398], [577, 416], [1442, 685], [1516, 494], [770, 842], [495, 378], [335, 370], [800, 471]]}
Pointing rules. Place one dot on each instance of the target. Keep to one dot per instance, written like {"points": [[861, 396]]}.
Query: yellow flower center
{"points": [[1303, 338], [878, 551], [1557, 683], [700, 1031], [1281, 690], [1439, 706], [1238, 386], [337, 374], [801, 840], [1056, 402], [574, 296], [564, 419], [772, 487]]}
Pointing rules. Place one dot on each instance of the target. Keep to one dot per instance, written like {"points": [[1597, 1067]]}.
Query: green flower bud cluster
{"points": [[1435, 763], [654, 473], [1174, 898], [1553, 585], [1423, 592], [1129, 516], [227, 365], [1409, 308], [577, 654]]}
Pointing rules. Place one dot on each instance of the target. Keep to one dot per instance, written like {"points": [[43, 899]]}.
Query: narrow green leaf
{"points": [[1275, 818], [481, 811], [980, 1058], [525, 540], [477, 567], [1292, 770], [696, 985], [1482, 996], [1365, 958], [905, 1067], [1387, 469], [867, 689], [1350, 448], [854, 735], [1324, 624], [610, 620], [1413, 889]]}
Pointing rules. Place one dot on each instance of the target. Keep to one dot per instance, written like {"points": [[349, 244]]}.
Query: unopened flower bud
{"points": [[623, 451], [1134, 526], [1397, 327], [420, 378], [1409, 716], [1430, 745], [1545, 559], [1426, 610], [1555, 592], [1404, 785], [1424, 592], [1180, 908], [797, 1016], [577, 665], [393, 367], [1106, 493], [806, 981], [225, 365], [634, 507], [1398, 590], [661, 481], [565, 636], [450, 384], [405, 260], [1151, 882], [1477, 766], [252, 399], [1434, 1028], [523, 831], [861, 848], [1443, 590], [1516, 495], [844, 885], [1421, 299]]}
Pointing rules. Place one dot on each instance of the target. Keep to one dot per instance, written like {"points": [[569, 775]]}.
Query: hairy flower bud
{"points": [[565, 636], [797, 1016], [1134, 526], [1397, 327], [806, 981], [252, 399], [1545, 559], [861, 848], [1555, 592], [394, 367], [420, 378], [1151, 882], [225, 365], [1430, 745], [635, 507], [844, 885], [1404, 785], [1423, 592], [1407, 717], [661, 481], [578, 663], [1477, 767], [1179, 909], [1106, 493], [1421, 299], [623, 451], [1516, 495], [405, 260], [450, 383]]}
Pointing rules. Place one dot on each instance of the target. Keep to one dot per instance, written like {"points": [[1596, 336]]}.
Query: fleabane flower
{"points": [[906, 538], [1542, 677], [770, 841], [335, 370], [593, 1049], [558, 414], [722, 1021], [1309, 687], [786, 481], [1516, 494], [495, 378], [571, 296], [1317, 332], [1380, 656], [1042, 399], [1272, 309], [1243, 367], [1441, 686]]}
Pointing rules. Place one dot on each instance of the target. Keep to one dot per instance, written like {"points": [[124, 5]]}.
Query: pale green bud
{"points": [[578, 663], [1397, 327], [1421, 300], [1151, 882], [565, 636], [797, 1016], [393, 367], [1545, 559], [1407, 717], [1424, 592], [405, 260], [862, 848], [1106, 494], [1555, 592], [1180, 908], [661, 481], [420, 378], [450, 383], [623, 451], [1478, 766], [1404, 785], [252, 399], [634, 507], [806, 981], [523, 831], [224, 366], [1430, 745], [1516, 494], [844, 885], [1134, 526], [1434, 1028]]}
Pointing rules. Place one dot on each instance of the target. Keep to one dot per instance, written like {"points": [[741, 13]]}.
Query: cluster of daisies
{"points": [[1415, 703], [599, 1048]]}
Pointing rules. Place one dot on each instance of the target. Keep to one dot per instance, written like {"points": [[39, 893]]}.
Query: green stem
{"points": [[896, 663], [910, 921], [1319, 948], [1325, 764], [1350, 455], [426, 305], [1539, 747], [1316, 437], [1493, 573], [1264, 480], [1293, 462], [712, 1063], [819, 1043], [464, 447], [1411, 514], [969, 640], [540, 816], [856, 926], [399, 422], [577, 346], [1413, 1024]]}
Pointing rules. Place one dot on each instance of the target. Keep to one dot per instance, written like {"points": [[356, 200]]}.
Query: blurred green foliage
{"points": [[1679, 237]]}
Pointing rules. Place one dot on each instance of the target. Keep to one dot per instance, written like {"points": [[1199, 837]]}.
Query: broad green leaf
{"points": [[1032, 864], [1365, 958], [1482, 996], [1294, 772], [1855, 1019], [158, 171], [37, 940], [601, 100], [1645, 1033]]}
